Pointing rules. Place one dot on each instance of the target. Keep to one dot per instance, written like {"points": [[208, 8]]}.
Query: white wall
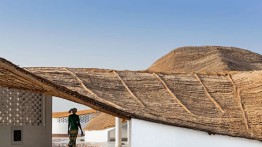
{"points": [[148, 134], [97, 136], [33, 136], [104, 135], [59, 128], [111, 133]]}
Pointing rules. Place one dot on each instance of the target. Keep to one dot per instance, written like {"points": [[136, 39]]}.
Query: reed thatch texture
{"points": [[66, 114], [210, 102], [227, 103], [12, 76], [101, 121], [207, 59]]}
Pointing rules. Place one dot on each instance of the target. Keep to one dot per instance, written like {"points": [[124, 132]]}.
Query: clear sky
{"points": [[121, 34]]}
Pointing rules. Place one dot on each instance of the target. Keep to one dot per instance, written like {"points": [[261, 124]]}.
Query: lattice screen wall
{"points": [[83, 118], [19, 107]]}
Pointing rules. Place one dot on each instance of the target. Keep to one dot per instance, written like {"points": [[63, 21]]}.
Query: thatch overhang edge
{"points": [[69, 94], [74, 96]]}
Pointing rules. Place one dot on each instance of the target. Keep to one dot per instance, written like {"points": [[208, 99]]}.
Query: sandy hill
{"points": [[207, 59]]}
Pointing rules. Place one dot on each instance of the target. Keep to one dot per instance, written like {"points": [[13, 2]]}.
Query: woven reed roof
{"points": [[207, 59], [66, 114], [101, 121], [227, 103]]}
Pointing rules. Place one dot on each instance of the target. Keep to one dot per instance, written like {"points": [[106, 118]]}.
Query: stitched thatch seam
{"points": [[171, 93], [208, 95], [241, 104], [90, 91], [128, 89], [53, 89]]}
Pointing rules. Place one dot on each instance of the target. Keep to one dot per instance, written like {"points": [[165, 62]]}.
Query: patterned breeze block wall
{"points": [[19, 107], [83, 119]]}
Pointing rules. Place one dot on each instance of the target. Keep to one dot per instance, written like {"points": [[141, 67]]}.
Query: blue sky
{"points": [[121, 34]]}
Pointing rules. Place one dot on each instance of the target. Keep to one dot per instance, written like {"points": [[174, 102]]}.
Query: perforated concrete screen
{"points": [[19, 107], [62, 120], [83, 119]]}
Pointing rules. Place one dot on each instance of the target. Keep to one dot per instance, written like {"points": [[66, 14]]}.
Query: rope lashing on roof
{"points": [[171, 93], [208, 95], [90, 91], [128, 89], [241, 104]]}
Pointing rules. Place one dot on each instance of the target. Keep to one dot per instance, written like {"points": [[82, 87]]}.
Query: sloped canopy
{"points": [[66, 114], [101, 121], [227, 103]]}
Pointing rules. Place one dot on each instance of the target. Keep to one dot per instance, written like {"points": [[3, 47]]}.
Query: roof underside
{"points": [[228, 104], [101, 121], [66, 113]]}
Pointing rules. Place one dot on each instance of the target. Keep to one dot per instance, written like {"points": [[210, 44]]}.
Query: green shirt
{"points": [[73, 119]]}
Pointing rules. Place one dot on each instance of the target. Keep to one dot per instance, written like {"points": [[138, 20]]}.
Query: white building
{"points": [[149, 134], [101, 129], [60, 121], [25, 118]]}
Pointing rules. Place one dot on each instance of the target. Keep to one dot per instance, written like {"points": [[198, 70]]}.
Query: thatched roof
{"points": [[66, 114], [227, 103], [101, 121], [207, 59]]}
